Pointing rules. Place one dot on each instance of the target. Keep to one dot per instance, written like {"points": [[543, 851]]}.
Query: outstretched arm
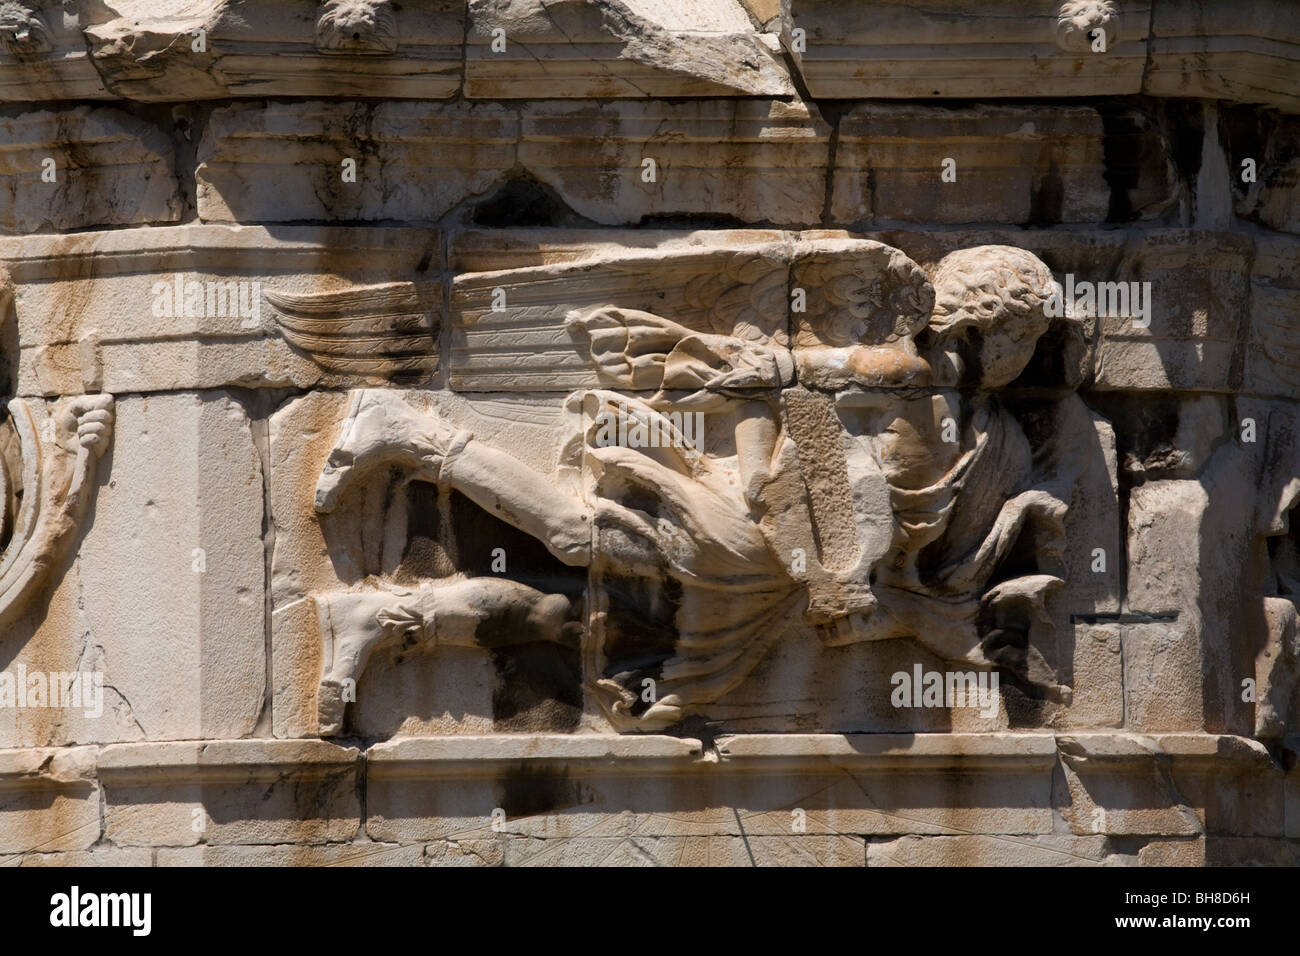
{"points": [[640, 351]]}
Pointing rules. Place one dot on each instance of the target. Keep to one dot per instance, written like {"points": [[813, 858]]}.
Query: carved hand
{"points": [[91, 418]]}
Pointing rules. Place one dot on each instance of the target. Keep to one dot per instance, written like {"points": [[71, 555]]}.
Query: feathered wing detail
{"points": [[745, 298], [858, 291], [374, 331]]}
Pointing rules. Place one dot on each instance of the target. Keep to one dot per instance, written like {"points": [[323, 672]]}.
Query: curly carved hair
{"points": [[998, 292]]}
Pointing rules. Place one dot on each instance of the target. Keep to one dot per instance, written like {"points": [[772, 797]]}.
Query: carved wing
{"points": [[375, 331], [858, 292], [509, 327]]}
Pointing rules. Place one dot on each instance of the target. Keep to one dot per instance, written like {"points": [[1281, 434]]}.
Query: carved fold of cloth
{"points": [[672, 511], [953, 538]]}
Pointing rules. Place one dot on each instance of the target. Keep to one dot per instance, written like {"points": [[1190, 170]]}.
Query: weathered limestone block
{"points": [[1197, 301], [286, 48], [49, 800], [106, 856], [1009, 164], [1250, 851], [183, 793], [165, 597], [983, 850], [1164, 685], [43, 54], [739, 850], [626, 48], [1169, 784], [1173, 852], [1192, 544], [1241, 51], [1097, 698], [963, 49], [82, 167], [359, 853], [738, 161], [1272, 354], [350, 161], [554, 787], [200, 307]]}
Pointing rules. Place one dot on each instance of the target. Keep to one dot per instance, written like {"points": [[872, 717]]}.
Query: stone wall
{"points": [[685, 432]]}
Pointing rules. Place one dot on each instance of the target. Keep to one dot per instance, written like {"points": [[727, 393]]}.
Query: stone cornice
{"points": [[490, 49], [169, 763]]}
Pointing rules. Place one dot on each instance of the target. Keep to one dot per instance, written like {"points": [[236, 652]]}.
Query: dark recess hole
{"points": [[525, 201], [1129, 145], [1047, 202], [693, 221]]}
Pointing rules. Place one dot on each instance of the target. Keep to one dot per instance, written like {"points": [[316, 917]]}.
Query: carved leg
{"points": [[356, 625], [495, 612], [479, 612], [382, 430]]}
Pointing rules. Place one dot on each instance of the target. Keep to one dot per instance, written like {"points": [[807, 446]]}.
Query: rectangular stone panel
{"points": [[1199, 305], [1273, 354], [163, 605], [195, 307], [1006, 164], [350, 161], [733, 161], [964, 49], [555, 787], [83, 167], [529, 49], [181, 794], [1243, 51], [1169, 784], [49, 800]]}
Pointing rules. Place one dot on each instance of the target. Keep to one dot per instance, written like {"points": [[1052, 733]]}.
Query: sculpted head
{"points": [[22, 31], [989, 311], [1076, 21], [356, 26]]}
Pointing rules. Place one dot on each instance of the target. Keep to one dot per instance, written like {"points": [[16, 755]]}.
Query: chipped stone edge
{"points": [[246, 760], [249, 759]]}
